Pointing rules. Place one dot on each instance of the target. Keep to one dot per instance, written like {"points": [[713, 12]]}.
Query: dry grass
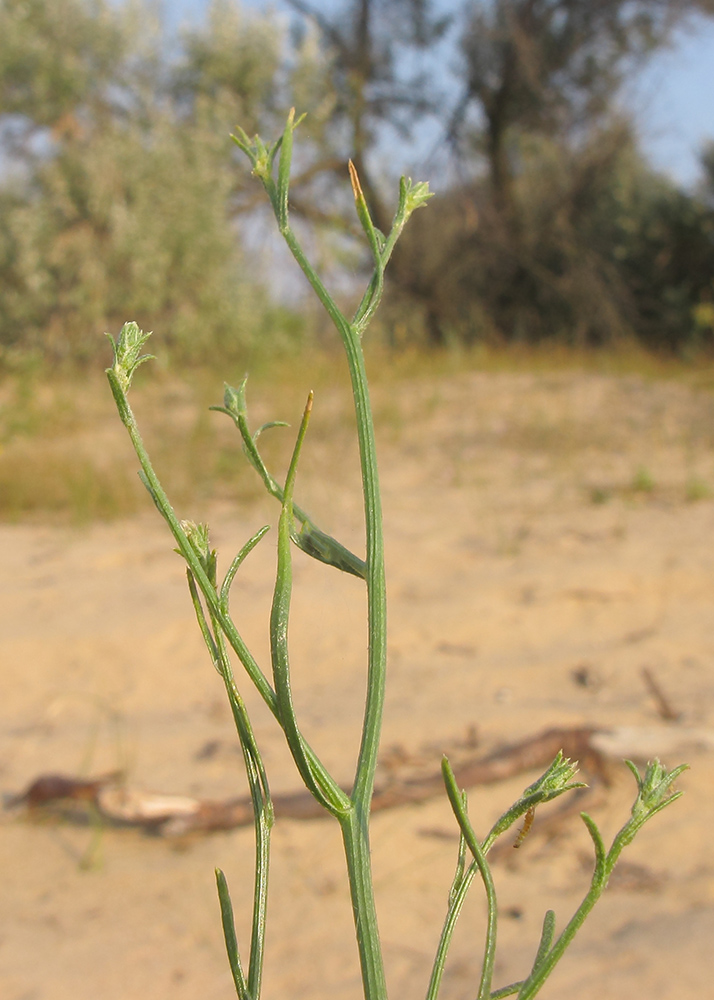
{"points": [[64, 455]]}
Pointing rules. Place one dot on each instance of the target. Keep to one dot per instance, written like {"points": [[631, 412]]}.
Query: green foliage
{"points": [[271, 164], [664, 250], [128, 217], [232, 68], [55, 56], [123, 192], [597, 248], [118, 195]]}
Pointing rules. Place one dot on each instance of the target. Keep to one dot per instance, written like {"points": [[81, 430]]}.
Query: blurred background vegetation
{"points": [[122, 196]]}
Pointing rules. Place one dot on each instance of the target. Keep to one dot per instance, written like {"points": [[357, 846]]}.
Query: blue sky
{"points": [[672, 99], [674, 102]]}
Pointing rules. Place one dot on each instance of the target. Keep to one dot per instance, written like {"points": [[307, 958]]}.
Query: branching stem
{"points": [[217, 627]]}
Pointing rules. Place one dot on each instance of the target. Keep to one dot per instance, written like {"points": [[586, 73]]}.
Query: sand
{"points": [[548, 536]]}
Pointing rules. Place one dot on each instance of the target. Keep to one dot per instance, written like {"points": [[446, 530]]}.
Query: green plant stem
{"points": [[356, 840], [206, 586], [546, 962], [542, 970], [376, 586], [467, 831], [456, 903], [263, 815], [327, 792], [152, 483], [375, 576], [506, 991], [355, 837], [357, 848]]}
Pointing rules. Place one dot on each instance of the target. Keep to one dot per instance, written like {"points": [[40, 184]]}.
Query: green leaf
{"points": [[229, 934]]}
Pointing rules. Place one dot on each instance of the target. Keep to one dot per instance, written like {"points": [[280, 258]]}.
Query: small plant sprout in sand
{"points": [[210, 594]]}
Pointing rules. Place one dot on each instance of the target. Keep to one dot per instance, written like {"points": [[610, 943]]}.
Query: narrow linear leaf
{"points": [[229, 934], [596, 837], [546, 937], [237, 562], [311, 539], [322, 786]]}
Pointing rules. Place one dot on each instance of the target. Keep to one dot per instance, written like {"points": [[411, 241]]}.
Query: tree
{"points": [[54, 58], [119, 199], [366, 44], [119, 190], [538, 83], [516, 247], [551, 67]]}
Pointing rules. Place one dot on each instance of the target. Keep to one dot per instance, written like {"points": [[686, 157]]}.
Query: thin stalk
{"points": [[457, 804], [506, 991], [376, 585], [207, 588], [355, 831], [548, 958], [375, 576], [263, 822], [356, 840], [374, 290], [336, 315], [541, 972], [355, 837], [263, 815], [152, 483], [456, 903], [457, 894], [236, 564], [324, 788]]}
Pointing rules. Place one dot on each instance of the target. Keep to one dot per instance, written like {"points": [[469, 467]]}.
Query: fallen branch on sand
{"points": [[178, 815]]}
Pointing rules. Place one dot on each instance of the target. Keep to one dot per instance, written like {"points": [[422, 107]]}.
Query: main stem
{"points": [[355, 825], [375, 577], [355, 829], [376, 588], [355, 837]]}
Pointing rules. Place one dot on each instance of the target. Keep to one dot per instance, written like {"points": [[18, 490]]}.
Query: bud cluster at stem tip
{"points": [[127, 353], [414, 193]]}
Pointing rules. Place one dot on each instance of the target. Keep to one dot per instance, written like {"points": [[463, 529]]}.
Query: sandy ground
{"points": [[547, 537]]}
